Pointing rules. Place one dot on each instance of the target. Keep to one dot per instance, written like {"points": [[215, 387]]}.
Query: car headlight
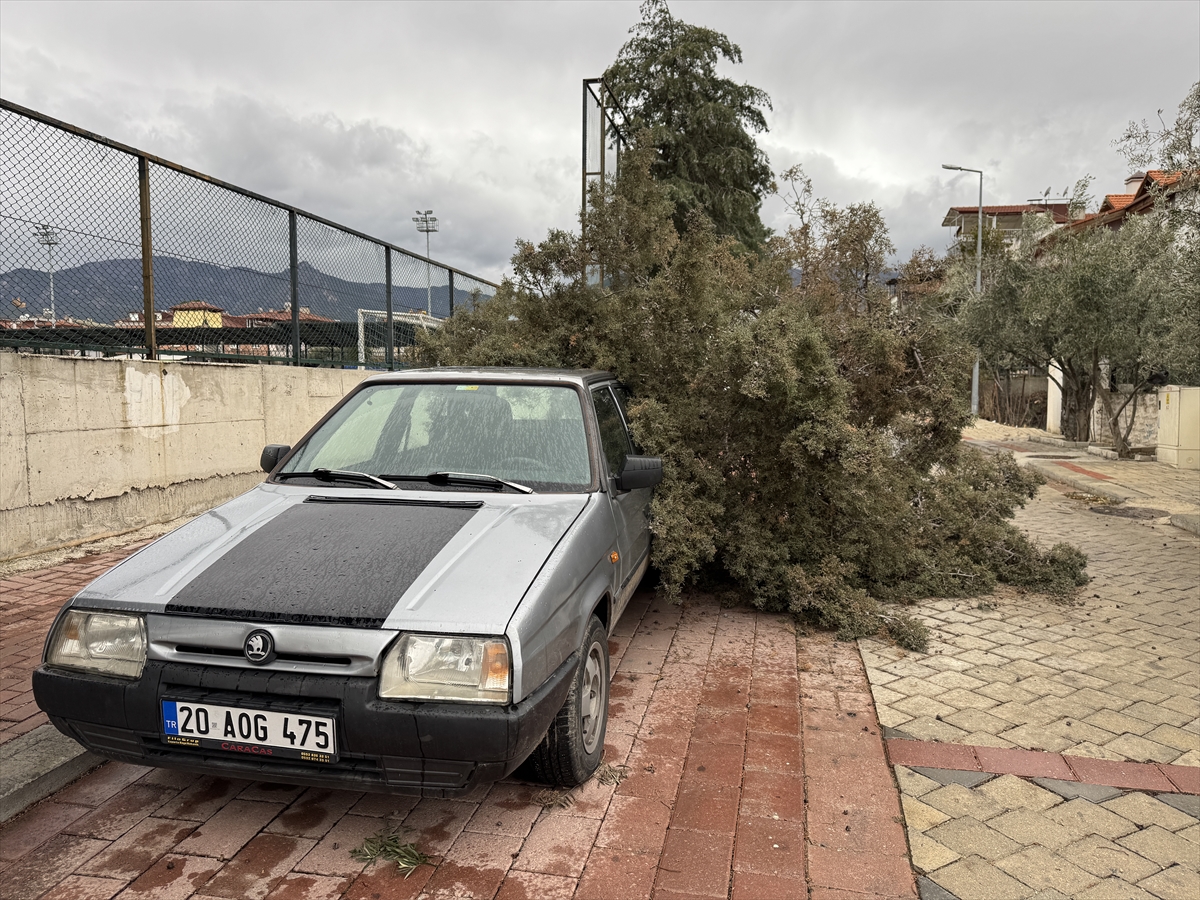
{"points": [[106, 643], [444, 667]]}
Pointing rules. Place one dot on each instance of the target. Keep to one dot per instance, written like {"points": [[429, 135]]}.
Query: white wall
{"points": [[92, 447], [1054, 400]]}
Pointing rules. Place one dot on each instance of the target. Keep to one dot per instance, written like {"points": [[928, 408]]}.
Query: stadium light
{"points": [[48, 237], [427, 223]]}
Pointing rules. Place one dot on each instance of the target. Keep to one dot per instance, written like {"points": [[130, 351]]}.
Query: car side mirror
{"points": [[640, 472], [271, 455]]}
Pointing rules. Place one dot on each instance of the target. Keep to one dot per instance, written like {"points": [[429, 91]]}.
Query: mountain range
{"points": [[110, 290]]}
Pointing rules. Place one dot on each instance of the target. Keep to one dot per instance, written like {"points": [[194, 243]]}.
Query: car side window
{"points": [[622, 394], [613, 436]]}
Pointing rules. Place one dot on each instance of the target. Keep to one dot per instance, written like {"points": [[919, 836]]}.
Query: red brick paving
{"points": [[1185, 778], [1133, 776], [937, 756], [1158, 777], [1025, 763], [1083, 471]]}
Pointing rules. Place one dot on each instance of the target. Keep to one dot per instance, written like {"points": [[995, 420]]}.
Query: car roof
{"points": [[493, 374]]}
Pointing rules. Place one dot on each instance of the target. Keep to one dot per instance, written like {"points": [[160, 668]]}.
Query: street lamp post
{"points": [[978, 277], [48, 237], [427, 223]]}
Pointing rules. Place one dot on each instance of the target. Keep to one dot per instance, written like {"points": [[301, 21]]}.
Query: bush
{"points": [[810, 431]]}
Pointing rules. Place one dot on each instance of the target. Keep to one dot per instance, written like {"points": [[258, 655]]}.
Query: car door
{"points": [[630, 509]]}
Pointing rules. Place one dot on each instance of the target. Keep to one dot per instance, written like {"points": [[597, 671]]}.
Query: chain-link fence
{"points": [[105, 250]]}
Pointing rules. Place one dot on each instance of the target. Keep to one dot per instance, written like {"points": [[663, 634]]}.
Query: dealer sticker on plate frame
{"points": [[252, 732]]}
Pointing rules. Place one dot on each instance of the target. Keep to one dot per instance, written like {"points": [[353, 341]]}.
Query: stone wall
{"points": [[94, 447], [1145, 423]]}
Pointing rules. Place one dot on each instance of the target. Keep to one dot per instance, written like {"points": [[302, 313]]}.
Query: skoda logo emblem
{"points": [[259, 647]]}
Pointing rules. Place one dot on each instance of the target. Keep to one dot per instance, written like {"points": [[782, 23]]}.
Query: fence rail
{"points": [[107, 250]]}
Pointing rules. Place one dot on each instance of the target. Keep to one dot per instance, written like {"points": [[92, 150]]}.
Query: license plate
{"points": [[251, 732]]}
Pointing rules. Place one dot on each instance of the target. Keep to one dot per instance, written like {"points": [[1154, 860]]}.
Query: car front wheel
{"points": [[574, 744]]}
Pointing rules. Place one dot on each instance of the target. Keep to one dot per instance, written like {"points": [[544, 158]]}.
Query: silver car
{"points": [[417, 599]]}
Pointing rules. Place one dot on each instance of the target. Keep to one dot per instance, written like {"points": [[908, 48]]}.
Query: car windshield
{"points": [[530, 434]]}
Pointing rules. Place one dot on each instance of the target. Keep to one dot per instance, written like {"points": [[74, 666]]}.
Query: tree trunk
{"points": [[1120, 437], [1077, 398]]}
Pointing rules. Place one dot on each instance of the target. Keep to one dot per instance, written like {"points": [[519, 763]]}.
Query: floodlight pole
{"points": [[48, 237], [427, 222], [978, 277]]}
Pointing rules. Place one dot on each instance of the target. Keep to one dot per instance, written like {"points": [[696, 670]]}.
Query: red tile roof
{"points": [[198, 305], [1011, 210], [1117, 207], [1116, 201], [1164, 178], [961, 215], [285, 315]]}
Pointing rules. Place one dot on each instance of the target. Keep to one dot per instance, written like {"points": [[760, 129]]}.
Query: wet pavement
{"points": [[717, 793]]}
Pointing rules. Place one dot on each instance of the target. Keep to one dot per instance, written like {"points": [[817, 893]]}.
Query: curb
{"points": [[1058, 442], [1080, 482], [1187, 521], [35, 765]]}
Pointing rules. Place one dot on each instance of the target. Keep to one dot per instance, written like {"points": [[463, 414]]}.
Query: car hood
{"points": [[457, 562]]}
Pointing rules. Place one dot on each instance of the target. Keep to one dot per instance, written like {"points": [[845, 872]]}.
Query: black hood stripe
{"points": [[324, 563]]}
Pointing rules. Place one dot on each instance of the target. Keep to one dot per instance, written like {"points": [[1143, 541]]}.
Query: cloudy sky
{"points": [[363, 112]]}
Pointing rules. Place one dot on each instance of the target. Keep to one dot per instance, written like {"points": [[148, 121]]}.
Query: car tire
{"points": [[574, 743]]}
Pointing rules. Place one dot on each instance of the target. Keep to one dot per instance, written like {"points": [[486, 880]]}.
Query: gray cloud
{"points": [[363, 112]]}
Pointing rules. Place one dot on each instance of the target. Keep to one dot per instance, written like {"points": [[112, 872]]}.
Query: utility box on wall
{"points": [[1179, 426]]}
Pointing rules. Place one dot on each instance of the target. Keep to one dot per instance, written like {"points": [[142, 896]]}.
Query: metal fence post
{"points": [[390, 347], [147, 257], [295, 279], [451, 291]]}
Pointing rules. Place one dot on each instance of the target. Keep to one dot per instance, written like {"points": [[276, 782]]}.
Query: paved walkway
{"points": [[1143, 486], [1038, 750], [1091, 709]]}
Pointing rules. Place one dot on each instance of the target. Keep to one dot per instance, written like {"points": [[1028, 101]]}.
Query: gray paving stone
{"points": [[929, 890], [1185, 803], [955, 776], [1069, 790]]}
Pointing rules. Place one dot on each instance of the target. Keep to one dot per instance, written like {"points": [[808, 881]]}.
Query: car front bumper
{"points": [[427, 748]]}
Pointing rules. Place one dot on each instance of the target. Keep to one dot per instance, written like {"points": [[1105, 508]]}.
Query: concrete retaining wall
{"points": [[92, 447]]}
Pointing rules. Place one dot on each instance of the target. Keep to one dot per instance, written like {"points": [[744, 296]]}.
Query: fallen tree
{"points": [[810, 432]]}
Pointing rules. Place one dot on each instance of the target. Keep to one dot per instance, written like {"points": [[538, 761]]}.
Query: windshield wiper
{"points": [[341, 475], [471, 478]]}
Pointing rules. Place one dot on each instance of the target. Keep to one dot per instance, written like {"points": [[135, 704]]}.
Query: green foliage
{"points": [[666, 78], [1094, 299], [810, 433], [1094, 296], [386, 845], [1171, 148]]}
